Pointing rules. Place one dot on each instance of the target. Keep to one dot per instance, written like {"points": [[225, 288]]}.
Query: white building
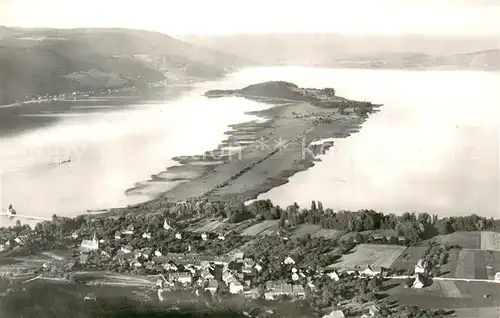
{"points": [[418, 283], [333, 275], [126, 249], [90, 245], [166, 226], [146, 235], [158, 253], [420, 267], [258, 268], [289, 261], [129, 230], [74, 235], [178, 236], [497, 276], [295, 277], [235, 287], [204, 236], [221, 237]]}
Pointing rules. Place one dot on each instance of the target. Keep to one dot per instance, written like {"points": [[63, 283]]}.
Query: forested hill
{"points": [[51, 61]]}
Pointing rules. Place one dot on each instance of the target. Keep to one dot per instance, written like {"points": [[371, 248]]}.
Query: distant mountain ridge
{"points": [[328, 49], [51, 61]]}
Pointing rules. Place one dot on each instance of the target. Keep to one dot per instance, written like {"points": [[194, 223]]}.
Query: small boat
{"points": [[11, 210], [64, 161]]}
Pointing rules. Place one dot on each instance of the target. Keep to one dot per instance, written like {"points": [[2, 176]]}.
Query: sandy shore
{"points": [[260, 155]]}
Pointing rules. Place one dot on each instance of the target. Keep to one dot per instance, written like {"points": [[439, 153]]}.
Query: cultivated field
{"points": [[490, 241], [471, 240], [447, 294], [304, 229], [208, 225], [477, 264], [374, 255], [465, 264], [408, 259], [328, 234], [259, 228]]}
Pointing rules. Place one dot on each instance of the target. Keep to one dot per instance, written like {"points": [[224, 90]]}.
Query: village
{"points": [[128, 258]]}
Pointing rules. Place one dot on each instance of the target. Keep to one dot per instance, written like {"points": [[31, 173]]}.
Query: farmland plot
{"points": [[409, 258], [490, 241], [465, 264], [305, 229], [328, 234], [470, 240], [258, 228], [369, 254], [209, 226]]}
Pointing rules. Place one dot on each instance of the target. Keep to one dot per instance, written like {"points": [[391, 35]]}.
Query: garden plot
{"points": [[374, 255], [258, 228], [490, 241], [328, 234], [305, 229], [209, 226]]}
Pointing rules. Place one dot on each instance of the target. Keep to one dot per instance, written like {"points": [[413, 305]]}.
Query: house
{"points": [[90, 296], [248, 265], [126, 249], [258, 268], [166, 225], [18, 240], [374, 311], [235, 287], [289, 261], [105, 254], [204, 236], [420, 267], [3, 247], [178, 236], [158, 253], [335, 314], [170, 267], [419, 281], [89, 245], [74, 235], [118, 235], [146, 235], [295, 277], [497, 276], [183, 278], [136, 264], [212, 286], [333, 275], [369, 271], [221, 237], [129, 230]]}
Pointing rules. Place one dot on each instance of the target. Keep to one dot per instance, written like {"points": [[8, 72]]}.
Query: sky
{"points": [[178, 17]]}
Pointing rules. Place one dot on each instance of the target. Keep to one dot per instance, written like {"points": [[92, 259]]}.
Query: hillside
{"points": [[49, 61], [328, 49]]}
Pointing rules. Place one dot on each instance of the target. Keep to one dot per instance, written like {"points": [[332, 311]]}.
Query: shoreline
{"points": [[259, 155]]}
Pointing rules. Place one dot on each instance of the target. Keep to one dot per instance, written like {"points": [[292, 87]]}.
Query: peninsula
{"points": [[260, 155]]}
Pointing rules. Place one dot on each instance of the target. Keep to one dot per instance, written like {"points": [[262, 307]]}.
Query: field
{"points": [[369, 254], [477, 264], [490, 241], [208, 225], [305, 229], [260, 228], [328, 234], [409, 258], [447, 294], [470, 240]]}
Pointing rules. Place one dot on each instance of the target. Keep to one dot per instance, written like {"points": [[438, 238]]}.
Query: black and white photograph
{"points": [[261, 159]]}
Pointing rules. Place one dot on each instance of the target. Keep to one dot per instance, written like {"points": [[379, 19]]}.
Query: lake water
{"points": [[433, 146]]}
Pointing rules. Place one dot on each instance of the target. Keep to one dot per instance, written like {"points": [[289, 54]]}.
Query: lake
{"points": [[433, 147]]}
